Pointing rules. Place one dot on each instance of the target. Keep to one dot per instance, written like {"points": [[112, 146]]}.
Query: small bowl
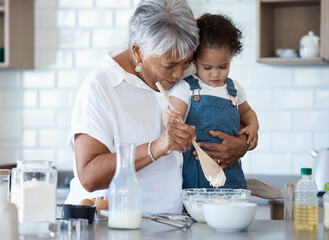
{"points": [[286, 53], [229, 217], [79, 211], [194, 198]]}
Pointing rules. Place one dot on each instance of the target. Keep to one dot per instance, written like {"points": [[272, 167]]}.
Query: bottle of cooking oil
{"points": [[326, 207], [306, 202]]}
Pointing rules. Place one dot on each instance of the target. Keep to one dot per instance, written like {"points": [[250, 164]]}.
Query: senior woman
{"points": [[119, 102]]}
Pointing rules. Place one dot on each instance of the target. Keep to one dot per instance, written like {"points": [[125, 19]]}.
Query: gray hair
{"points": [[161, 27]]}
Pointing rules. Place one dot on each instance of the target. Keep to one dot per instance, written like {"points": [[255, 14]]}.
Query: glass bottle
{"points": [[306, 202], [33, 190], [8, 220], [326, 207], [125, 195]]}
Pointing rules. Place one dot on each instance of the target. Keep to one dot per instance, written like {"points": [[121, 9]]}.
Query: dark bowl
{"points": [[79, 211]]}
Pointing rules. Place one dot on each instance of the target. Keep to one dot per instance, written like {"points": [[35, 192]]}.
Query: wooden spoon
{"points": [[212, 171]]}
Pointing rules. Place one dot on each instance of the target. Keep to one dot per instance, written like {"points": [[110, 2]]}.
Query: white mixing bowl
{"points": [[193, 199], [231, 216]]}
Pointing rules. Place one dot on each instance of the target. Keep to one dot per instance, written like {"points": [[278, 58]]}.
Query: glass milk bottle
{"points": [[125, 195], [33, 190]]}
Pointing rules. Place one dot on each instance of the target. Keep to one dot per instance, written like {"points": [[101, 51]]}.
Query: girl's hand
{"points": [[169, 116], [252, 133], [177, 137]]}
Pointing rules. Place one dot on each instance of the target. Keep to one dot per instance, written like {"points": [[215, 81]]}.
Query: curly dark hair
{"points": [[217, 31]]}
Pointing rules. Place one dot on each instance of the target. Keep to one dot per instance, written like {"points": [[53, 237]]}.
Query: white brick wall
{"points": [[72, 36]]}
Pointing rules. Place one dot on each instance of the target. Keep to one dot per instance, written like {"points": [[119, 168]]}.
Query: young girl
{"points": [[213, 101]]}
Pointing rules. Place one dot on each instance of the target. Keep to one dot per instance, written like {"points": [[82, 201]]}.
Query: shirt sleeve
{"points": [[182, 91], [88, 116], [241, 95]]}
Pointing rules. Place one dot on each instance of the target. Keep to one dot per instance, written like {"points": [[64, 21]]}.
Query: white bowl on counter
{"points": [[229, 217], [194, 198]]}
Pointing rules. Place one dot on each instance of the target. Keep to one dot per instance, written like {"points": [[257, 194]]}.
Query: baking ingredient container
{"points": [[33, 191], [194, 198], [79, 211], [306, 209], [8, 220], [125, 194]]}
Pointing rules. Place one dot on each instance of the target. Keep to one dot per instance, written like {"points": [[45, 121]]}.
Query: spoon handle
{"points": [[159, 86]]}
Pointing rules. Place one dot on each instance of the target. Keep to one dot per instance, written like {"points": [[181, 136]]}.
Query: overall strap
{"points": [[193, 82], [230, 87]]}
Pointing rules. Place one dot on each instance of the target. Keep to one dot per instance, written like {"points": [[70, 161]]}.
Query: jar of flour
{"points": [[33, 191]]}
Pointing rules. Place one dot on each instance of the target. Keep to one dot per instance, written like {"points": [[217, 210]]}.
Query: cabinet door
{"points": [[16, 34], [324, 31], [21, 33], [3, 29]]}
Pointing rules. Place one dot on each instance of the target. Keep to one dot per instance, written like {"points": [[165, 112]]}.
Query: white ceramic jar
{"points": [[309, 46]]}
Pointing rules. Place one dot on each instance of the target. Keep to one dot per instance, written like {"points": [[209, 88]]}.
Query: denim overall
{"points": [[211, 113]]}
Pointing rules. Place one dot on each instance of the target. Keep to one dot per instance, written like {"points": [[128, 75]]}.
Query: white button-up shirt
{"points": [[114, 106]]}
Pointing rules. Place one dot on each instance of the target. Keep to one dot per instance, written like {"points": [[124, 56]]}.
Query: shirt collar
{"points": [[118, 74]]}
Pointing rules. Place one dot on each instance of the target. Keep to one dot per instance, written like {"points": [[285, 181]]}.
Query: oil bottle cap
{"points": [[326, 187], [306, 171]]}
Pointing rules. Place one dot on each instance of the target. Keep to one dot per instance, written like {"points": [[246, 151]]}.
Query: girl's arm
{"points": [[248, 116], [249, 119], [180, 105], [170, 116]]}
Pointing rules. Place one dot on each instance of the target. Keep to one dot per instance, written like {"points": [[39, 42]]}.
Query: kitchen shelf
{"points": [[282, 23], [17, 34], [293, 61]]}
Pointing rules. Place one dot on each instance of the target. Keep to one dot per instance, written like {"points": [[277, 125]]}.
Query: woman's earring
{"points": [[138, 69]]}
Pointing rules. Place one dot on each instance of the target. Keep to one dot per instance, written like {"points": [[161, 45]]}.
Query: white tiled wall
{"points": [[72, 36]]}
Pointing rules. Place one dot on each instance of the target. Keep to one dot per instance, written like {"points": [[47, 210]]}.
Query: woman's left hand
{"points": [[229, 151]]}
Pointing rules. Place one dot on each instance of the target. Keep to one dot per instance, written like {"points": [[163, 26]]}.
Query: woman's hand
{"points": [[177, 137], [229, 151]]}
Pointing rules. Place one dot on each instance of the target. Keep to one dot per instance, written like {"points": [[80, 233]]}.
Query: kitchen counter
{"points": [[259, 229]]}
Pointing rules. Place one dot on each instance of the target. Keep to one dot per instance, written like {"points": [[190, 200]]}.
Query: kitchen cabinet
{"points": [[16, 34], [282, 23]]}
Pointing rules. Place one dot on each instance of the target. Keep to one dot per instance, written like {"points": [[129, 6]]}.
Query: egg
{"points": [[87, 202], [102, 204]]}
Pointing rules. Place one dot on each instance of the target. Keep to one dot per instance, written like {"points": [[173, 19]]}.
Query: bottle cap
{"points": [[326, 187], [306, 171]]}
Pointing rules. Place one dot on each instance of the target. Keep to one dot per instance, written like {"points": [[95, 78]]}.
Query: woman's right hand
{"points": [[177, 137]]}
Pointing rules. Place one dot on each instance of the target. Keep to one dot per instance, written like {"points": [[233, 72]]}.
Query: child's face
{"points": [[213, 66]]}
